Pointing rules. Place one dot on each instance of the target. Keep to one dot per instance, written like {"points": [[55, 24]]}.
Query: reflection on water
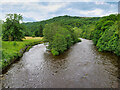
{"points": [[80, 66]]}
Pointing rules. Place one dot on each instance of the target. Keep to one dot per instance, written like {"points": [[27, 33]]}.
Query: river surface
{"points": [[82, 66]]}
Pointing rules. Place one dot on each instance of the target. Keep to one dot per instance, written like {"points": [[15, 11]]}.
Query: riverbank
{"points": [[13, 50]]}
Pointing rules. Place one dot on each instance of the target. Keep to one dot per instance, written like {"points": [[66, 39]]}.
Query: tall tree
{"points": [[39, 31], [12, 28], [0, 28]]}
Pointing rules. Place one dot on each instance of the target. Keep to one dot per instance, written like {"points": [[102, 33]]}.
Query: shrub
{"points": [[54, 52]]}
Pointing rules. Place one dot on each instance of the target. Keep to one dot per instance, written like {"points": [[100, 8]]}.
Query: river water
{"points": [[82, 66]]}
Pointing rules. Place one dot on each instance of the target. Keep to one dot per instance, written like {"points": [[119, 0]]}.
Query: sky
{"points": [[39, 10]]}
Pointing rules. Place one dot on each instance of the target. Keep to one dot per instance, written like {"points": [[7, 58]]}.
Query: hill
{"points": [[73, 21]]}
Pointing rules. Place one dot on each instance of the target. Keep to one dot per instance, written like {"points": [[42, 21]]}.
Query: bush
{"points": [[54, 52]]}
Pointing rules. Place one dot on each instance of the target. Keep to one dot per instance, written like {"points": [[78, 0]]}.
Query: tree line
{"points": [[63, 31], [104, 33], [32, 27]]}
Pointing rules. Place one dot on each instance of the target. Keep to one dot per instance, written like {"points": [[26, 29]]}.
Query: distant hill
{"points": [[72, 21]]}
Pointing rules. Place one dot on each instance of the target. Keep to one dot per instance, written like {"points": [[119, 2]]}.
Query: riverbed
{"points": [[82, 66]]}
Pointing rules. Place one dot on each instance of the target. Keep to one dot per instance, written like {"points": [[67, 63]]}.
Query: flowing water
{"points": [[82, 66]]}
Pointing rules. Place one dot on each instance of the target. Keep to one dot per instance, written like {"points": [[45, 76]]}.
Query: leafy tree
{"points": [[0, 28], [106, 35], [78, 31], [109, 40], [39, 31], [59, 37], [12, 28], [59, 44]]}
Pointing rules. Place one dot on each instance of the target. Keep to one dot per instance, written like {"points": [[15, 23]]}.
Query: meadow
{"points": [[12, 50]]}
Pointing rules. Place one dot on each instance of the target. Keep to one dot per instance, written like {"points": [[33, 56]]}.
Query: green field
{"points": [[12, 50]]}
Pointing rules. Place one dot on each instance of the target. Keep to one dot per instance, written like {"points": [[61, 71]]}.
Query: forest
{"points": [[106, 34], [73, 21]]}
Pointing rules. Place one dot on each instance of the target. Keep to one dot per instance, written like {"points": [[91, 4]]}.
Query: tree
{"points": [[12, 28], [60, 37], [59, 44], [106, 34], [39, 31], [0, 28], [66, 20]]}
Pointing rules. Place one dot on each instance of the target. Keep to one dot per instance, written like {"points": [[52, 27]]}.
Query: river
{"points": [[82, 66]]}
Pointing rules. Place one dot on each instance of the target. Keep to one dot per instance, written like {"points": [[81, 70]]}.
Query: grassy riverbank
{"points": [[12, 50]]}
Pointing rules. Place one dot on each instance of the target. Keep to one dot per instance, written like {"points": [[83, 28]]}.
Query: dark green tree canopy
{"points": [[60, 37], [39, 31], [12, 28]]}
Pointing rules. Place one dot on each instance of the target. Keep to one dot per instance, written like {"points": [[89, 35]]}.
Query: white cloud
{"points": [[38, 11], [95, 12], [42, 11], [59, 0], [100, 3], [91, 13], [51, 7], [19, 0], [110, 13]]}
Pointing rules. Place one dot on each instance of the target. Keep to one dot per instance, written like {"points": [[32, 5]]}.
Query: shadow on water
{"points": [[107, 57], [119, 71]]}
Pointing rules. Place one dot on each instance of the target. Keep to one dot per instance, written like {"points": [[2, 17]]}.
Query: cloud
{"points": [[95, 12], [41, 12], [59, 0], [37, 11], [100, 3], [93, 9], [87, 13], [29, 19], [51, 7]]}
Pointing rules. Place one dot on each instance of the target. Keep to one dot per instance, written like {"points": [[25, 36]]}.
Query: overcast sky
{"points": [[37, 11]]}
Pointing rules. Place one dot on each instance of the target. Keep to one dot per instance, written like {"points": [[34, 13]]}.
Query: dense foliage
{"points": [[72, 21], [39, 31], [106, 36], [0, 28], [59, 37], [105, 33], [12, 29]]}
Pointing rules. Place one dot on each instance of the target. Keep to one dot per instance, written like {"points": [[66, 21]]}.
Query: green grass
{"points": [[12, 50]]}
